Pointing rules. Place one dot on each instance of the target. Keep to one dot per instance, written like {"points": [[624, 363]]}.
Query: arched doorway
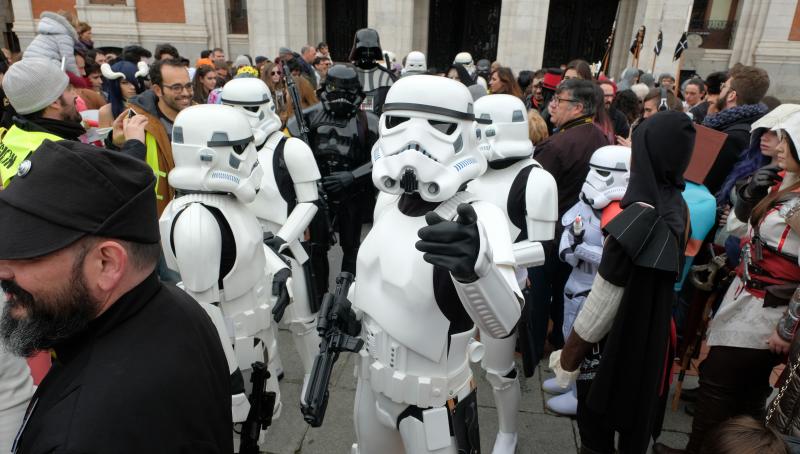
{"points": [[342, 19], [462, 25], [578, 29]]}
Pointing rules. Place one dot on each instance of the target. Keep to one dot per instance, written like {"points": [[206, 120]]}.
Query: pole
{"points": [[610, 43], [660, 26], [677, 86]]}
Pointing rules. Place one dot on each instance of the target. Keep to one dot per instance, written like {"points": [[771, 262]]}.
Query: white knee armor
{"points": [[216, 170]]}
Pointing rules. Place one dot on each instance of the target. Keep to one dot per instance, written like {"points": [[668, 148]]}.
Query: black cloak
{"points": [[643, 253]]}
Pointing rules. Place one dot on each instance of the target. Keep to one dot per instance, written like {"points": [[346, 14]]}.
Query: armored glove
{"points": [[453, 245], [338, 181], [281, 291]]}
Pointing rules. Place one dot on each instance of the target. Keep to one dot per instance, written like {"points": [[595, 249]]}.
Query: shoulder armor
{"points": [[300, 161], [197, 241]]}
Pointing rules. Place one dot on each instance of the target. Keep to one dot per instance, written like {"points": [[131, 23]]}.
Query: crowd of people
{"points": [[126, 171]]}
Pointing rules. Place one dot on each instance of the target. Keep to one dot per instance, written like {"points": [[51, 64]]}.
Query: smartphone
{"points": [[131, 113]]}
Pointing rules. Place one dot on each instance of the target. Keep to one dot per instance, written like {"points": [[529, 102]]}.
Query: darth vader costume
{"points": [[341, 137], [375, 79]]}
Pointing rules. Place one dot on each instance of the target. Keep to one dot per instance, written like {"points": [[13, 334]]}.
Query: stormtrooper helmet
{"points": [[366, 49], [341, 92], [214, 151], [507, 135], [415, 63], [609, 172], [251, 96], [484, 68], [427, 139], [465, 59]]}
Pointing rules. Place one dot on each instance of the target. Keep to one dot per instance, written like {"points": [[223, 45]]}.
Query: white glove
{"points": [[564, 379]]}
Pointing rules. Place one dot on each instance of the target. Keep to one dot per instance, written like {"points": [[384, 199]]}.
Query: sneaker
{"points": [[565, 404], [551, 387]]}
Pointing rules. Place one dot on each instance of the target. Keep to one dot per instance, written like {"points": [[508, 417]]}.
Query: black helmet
{"points": [[484, 68], [366, 49], [341, 92]]}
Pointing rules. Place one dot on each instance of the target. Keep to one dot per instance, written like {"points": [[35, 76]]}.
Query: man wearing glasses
{"points": [[170, 92], [565, 154]]}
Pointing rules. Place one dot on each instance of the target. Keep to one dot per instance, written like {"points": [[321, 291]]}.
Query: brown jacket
{"points": [[145, 104]]}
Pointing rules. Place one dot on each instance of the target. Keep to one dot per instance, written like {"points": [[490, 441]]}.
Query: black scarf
{"points": [[67, 130], [661, 149]]}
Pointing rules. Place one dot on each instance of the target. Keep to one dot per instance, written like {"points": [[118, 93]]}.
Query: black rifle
{"points": [[262, 404], [338, 329]]}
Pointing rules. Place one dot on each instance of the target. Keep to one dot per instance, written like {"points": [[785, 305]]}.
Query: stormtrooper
{"points": [[528, 196], [465, 59], [415, 64], [581, 247], [374, 78], [483, 68], [437, 263], [284, 205], [341, 137], [210, 236]]}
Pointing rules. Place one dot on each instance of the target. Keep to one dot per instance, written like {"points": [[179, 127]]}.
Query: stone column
{"points": [[394, 21], [316, 21], [420, 39], [523, 27], [625, 31], [751, 19], [275, 24], [24, 25]]}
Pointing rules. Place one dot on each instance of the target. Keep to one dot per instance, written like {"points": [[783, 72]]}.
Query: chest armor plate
{"points": [[494, 186], [395, 285]]}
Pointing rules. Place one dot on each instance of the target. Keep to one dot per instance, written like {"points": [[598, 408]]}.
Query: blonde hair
{"points": [[537, 127]]}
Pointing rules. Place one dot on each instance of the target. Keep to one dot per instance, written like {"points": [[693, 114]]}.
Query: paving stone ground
{"points": [[540, 431]]}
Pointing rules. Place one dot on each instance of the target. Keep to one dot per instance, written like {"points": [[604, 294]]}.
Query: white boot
{"points": [[565, 404], [505, 443], [551, 387]]}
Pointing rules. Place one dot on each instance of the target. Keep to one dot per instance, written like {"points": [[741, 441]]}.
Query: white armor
{"points": [[505, 140], [415, 64], [608, 176], [607, 180], [414, 355], [251, 96], [216, 169], [465, 58]]}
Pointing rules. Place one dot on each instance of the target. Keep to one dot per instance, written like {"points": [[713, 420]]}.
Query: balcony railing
{"points": [[716, 34]]}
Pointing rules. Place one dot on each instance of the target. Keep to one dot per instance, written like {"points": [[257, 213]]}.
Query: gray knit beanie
{"points": [[33, 84]]}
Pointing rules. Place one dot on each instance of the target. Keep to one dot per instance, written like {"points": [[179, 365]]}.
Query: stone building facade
{"points": [[761, 32]]}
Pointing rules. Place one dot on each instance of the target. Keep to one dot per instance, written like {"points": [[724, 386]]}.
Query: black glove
{"points": [[273, 241], [453, 245], [762, 180], [279, 289], [338, 181]]}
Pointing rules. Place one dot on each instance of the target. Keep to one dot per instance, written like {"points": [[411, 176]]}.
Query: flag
{"points": [[683, 44], [659, 43]]}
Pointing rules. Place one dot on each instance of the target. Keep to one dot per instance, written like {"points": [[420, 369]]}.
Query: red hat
{"points": [[551, 80]]}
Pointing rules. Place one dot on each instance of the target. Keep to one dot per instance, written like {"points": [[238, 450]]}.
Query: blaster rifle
{"points": [[338, 329], [262, 404]]}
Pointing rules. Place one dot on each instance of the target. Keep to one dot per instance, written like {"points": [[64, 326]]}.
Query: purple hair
{"points": [[749, 161]]}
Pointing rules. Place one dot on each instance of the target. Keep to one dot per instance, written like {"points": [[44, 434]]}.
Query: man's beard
{"points": [[172, 103], [48, 320], [721, 103]]}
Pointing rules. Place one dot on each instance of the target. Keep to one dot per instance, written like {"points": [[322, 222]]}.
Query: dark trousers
{"points": [[547, 282], [733, 381], [597, 435]]}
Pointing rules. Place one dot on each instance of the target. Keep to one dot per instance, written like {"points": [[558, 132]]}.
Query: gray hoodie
{"points": [[55, 40]]}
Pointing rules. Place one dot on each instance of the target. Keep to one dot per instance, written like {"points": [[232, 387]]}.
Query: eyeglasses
{"points": [[177, 88], [556, 100], [275, 73]]}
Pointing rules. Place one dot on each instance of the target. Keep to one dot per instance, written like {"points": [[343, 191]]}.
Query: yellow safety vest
{"points": [[15, 146], [152, 160]]}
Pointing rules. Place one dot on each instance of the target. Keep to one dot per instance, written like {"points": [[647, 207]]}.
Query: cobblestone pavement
{"points": [[541, 431]]}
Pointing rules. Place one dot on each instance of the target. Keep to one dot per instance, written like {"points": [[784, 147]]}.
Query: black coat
{"points": [[566, 156], [148, 375], [737, 141]]}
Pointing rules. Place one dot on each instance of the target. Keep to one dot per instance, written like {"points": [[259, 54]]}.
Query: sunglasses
{"points": [[275, 73]]}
